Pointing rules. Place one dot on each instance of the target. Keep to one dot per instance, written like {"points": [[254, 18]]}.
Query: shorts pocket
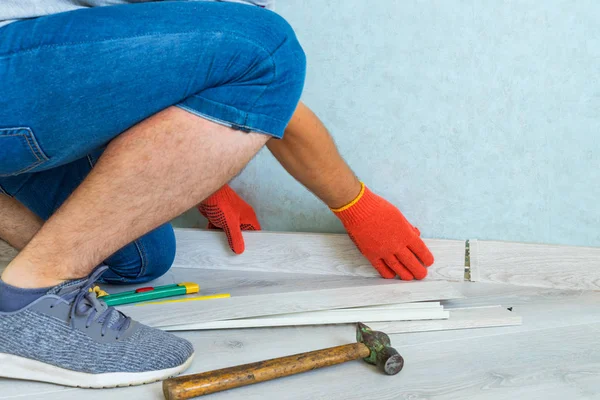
{"points": [[19, 151]]}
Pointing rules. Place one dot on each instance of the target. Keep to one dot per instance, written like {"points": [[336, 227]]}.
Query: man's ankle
{"points": [[24, 276], [14, 298]]}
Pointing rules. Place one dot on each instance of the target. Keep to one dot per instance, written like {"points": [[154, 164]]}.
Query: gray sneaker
{"points": [[72, 338]]}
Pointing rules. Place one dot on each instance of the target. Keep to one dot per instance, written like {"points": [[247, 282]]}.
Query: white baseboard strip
{"points": [[459, 318], [320, 318]]}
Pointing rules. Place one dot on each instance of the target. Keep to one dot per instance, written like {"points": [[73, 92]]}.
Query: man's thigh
{"points": [[72, 82]]}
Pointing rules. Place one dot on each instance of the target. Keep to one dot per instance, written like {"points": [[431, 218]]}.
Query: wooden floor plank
{"points": [[245, 283], [287, 252], [309, 253], [540, 265]]}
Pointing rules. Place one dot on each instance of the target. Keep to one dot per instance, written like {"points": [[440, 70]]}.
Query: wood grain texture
{"points": [[555, 364], [341, 316], [189, 386], [552, 355], [561, 267], [248, 283], [307, 253], [286, 252], [541, 309], [460, 318], [383, 292]]}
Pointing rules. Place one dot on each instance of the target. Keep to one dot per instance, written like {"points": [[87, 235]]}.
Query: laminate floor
{"points": [[554, 354], [541, 265]]}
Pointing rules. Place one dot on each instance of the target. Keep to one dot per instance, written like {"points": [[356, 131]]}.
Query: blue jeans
{"points": [[72, 82]]}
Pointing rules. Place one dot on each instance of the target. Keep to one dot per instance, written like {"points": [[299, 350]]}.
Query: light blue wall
{"points": [[479, 119]]}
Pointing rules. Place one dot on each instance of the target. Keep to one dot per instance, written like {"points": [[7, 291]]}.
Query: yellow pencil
{"points": [[209, 297]]}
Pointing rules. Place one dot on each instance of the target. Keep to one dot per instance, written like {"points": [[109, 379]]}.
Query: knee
{"points": [[288, 55], [289, 46], [158, 253], [273, 37], [146, 259]]}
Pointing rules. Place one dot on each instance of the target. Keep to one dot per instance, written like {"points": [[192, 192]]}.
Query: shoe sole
{"points": [[16, 367]]}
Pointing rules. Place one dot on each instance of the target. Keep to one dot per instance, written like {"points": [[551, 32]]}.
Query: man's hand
{"points": [[226, 210], [384, 236]]}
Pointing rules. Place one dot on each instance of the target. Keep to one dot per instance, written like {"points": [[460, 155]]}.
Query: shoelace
{"points": [[87, 303]]}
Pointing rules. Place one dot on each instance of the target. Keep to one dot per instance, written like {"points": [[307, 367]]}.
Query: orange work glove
{"points": [[384, 236], [226, 210]]}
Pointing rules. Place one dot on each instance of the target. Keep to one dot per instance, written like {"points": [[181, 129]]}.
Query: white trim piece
{"points": [[539, 265], [403, 306], [306, 253], [343, 316], [460, 318], [382, 292], [16, 367]]}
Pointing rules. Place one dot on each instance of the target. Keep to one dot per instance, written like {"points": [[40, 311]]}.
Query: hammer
{"points": [[373, 346]]}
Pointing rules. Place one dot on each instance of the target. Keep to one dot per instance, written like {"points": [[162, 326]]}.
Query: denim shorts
{"points": [[72, 82]]}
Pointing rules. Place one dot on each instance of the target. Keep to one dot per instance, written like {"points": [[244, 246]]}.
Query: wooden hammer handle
{"points": [[186, 387]]}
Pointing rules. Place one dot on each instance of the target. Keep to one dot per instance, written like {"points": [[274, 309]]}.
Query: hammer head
{"points": [[382, 353]]}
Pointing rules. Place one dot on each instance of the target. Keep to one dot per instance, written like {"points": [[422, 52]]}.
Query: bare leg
{"points": [[148, 175], [17, 223]]}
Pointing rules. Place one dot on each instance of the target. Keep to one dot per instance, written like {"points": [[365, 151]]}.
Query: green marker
{"points": [[150, 293]]}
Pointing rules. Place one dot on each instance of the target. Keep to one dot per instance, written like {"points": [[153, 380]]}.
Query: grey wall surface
{"points": [[478, 119]]}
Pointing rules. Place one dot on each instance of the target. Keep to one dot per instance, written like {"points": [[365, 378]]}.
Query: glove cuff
{"points": [[225, 193], [358, 209]]}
